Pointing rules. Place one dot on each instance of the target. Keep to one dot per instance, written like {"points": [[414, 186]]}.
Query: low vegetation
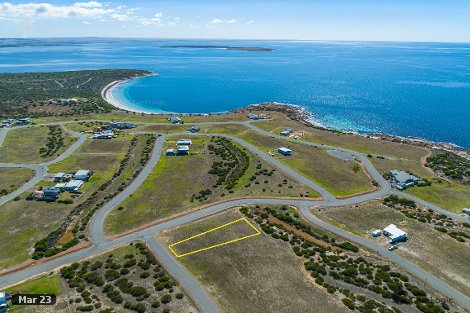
{"points": [[34, 144], [128, 279], [12, 178], [29, 94], [216, 169], [450, 165], [77, 220], [429, 246]]}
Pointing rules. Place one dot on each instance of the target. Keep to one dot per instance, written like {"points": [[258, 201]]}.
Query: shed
{"points": [[59, 176], [83, 175], [394, 233], [466, 211], [74, 185], [182, 150], [184, 142], [284, 151], [170, 152], [285, 133], [376, 233]]}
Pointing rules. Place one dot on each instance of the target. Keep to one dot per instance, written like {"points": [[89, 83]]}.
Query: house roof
{"points": [[394, 231], [82, 173], [183, 148], [284, 149], [403, 177], [74, 183]]}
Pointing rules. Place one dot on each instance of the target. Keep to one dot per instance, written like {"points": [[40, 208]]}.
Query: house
{"points": [[64, 101], [402, 180], [61, 177], [51, 193], [284, 151], [194, 129], [170, 152], [184, 142], [376, 233], [121, 125], [25, 120], [83, 175], [394, 233], [285, 133], [8, 122], [74, 185], [175, 120], [5, 298], [466, 211], [183, 150]]}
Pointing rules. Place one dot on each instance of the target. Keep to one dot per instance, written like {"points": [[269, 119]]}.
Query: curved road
{"points": [[197, 292]]}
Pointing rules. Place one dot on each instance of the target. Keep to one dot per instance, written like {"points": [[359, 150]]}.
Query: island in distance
{"points": [[220, 47]]}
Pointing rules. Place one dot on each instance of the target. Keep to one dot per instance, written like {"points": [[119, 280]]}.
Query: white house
{"points": [[74, 185], [184, 142], [182, 150], [394, 233], [403, 180]]}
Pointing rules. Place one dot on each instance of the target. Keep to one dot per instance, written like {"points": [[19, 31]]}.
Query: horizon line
{"points": [[232, 39]]}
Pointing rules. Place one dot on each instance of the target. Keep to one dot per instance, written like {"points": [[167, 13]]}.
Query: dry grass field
{"points": [[426, 247], [337, 176], [169, 188], [259, 274], [13, 178], [22, 145]]}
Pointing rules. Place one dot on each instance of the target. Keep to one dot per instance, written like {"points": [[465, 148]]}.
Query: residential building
{"points": [[83, 175], [466, 211], [62, 177], [25, 120], [194, 129], [170, 152], [175, 120], [184, 142], [394, 233], [183, 150], [51, 193], [121, 125], [284, 151], [74, 185], [285, 133], [60, 186], [376, 233], [8, 122], [402, 180], [104, 135]]}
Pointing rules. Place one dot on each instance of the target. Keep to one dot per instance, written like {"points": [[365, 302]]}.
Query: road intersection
{"points": [[198, 293]]}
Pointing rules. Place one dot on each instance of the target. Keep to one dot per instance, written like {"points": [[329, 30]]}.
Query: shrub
{"points": [[166, 298]]}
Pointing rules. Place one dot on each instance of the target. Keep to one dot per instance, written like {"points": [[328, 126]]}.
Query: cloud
{"points": [[231, 21], [249, 22], [216, 21], [78, 9], [85, 22]]}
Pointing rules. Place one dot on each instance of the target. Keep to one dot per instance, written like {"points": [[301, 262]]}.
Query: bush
{"points": [[179, 296], [349, 303], [166, 299]]}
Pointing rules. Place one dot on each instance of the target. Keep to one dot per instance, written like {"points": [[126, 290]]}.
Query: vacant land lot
{"points": [[349, 141], [446, 194], [126, 279], [23, 145], [342, 178], [180, 183], [246, 276], [13, 178], [426, 246]]}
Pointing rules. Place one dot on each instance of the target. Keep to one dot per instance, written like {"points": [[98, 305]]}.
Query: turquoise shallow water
{"points": [[407, 89]]}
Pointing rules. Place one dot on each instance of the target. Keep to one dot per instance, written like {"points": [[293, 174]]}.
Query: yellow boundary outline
{"points": [[217, 245]]}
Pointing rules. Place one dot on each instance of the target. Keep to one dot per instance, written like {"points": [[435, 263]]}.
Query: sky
{"points": [[374, 20]]}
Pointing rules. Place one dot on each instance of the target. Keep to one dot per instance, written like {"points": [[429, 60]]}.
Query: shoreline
{"points": [[294, 112]]}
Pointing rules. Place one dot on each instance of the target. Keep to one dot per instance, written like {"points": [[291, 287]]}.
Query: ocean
{"points": [[406, 89]]}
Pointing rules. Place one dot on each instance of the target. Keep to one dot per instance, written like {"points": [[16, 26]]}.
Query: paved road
{"points": [[41, 170], [201, 298]]}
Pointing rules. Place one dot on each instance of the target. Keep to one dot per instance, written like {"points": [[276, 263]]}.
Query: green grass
{"points": [[168, 189], [335, 175], [47, 284], [449, 196], [348, 141], [13, 178], [259, 274], [22, 145]]}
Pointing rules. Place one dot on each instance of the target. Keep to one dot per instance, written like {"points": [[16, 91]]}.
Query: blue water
{"points": [[407, 89]]}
